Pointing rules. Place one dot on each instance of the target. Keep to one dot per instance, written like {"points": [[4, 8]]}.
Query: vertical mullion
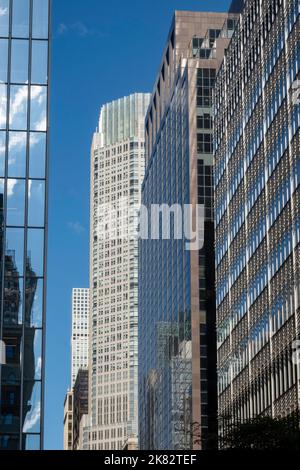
{"points": [[26, 222]]}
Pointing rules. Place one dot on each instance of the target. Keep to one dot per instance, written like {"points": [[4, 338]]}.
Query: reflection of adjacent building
{"points": [[24, 33]]}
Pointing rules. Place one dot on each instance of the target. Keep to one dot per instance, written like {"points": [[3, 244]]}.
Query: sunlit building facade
{"points": [[80, 331], [257, 214], [24, 70], [117, 171]]}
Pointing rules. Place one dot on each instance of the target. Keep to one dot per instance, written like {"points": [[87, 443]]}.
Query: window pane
{"points": [[32, 406], [3, 102], [17, 154], [2, 152], [34, 308], [4, 17], [15, 247], [13, 291], [18, 107], [20, 26], [35, 251], [31, 441], [19, 61], [37, 156], [40, 19], [15, 202], [36, 203], [39, 70], [38, 110], [33, 353], [3, 61]]}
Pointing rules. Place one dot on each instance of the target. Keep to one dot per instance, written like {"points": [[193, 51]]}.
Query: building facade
{"points": [[24, 111], [80, 405], [68, 420], [257, 214], [117, 170], [177, 353], [80, 331]]}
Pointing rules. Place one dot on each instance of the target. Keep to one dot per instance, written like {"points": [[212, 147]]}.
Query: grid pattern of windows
{"points": [[117, 168], [257, 213], [24, 33], [80, 331]]}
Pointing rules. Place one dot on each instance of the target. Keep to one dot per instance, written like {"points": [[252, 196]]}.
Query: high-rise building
{"points": [[117, 171], [68, 420], [177, 352], [24, 111], [80, 331], [257, 210], [80, 406]]}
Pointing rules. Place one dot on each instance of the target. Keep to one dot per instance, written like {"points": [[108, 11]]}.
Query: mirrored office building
{"points": [[24, 59]]}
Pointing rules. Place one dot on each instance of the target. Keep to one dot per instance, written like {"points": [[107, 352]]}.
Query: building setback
{"points": [[177, 344], [257, 211], [117, 171], [24, 110]]}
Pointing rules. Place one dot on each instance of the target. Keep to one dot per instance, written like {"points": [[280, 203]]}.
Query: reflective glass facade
{"points": [[24, 58], [177, 354], [257, 212]]}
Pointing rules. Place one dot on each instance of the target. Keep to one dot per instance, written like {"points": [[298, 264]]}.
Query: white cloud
{"points": [[78, 28], [76, 227], [33, 418], [3, 11]]}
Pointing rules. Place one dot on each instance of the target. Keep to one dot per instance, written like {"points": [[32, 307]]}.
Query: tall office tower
{"points": [[117, 169], [257, 175], [68, 420], [80, 407], [24, 109], [177, 345], [80, 331]]}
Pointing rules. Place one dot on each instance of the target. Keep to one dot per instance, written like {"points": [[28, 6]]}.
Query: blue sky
{"points": [[102, 50]]}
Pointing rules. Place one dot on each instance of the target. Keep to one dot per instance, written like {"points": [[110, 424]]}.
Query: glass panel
{"points": [[17, 154], [31, 442], [38, 110], [36, 203], [15, 202], [13, 290], [32, 406], [18, 107], [33, 353], [34, 308], [15, 247], [3, 61], [37, 156], [2, 152], [35, 251], [40, 19], [19, 61], [3, 102], [4, 17], [39, 70], [10, 442], [20, 24]]}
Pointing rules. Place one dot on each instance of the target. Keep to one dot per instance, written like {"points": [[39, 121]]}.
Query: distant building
{"points": [[80, 331], [80, 404], [68, 421]]}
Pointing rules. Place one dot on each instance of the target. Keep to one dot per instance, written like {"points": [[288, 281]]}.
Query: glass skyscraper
{"points": [[177, 353], [24, 110], [257, 213]]}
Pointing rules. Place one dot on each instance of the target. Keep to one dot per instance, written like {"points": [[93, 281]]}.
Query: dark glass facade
{"points": [[24, 59], [257, 176], [177, 353]]}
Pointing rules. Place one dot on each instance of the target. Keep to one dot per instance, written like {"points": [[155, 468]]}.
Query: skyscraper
{"points": [[80, 331], [177, 353], [24, 110], [257, 176], [117, 169]]}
